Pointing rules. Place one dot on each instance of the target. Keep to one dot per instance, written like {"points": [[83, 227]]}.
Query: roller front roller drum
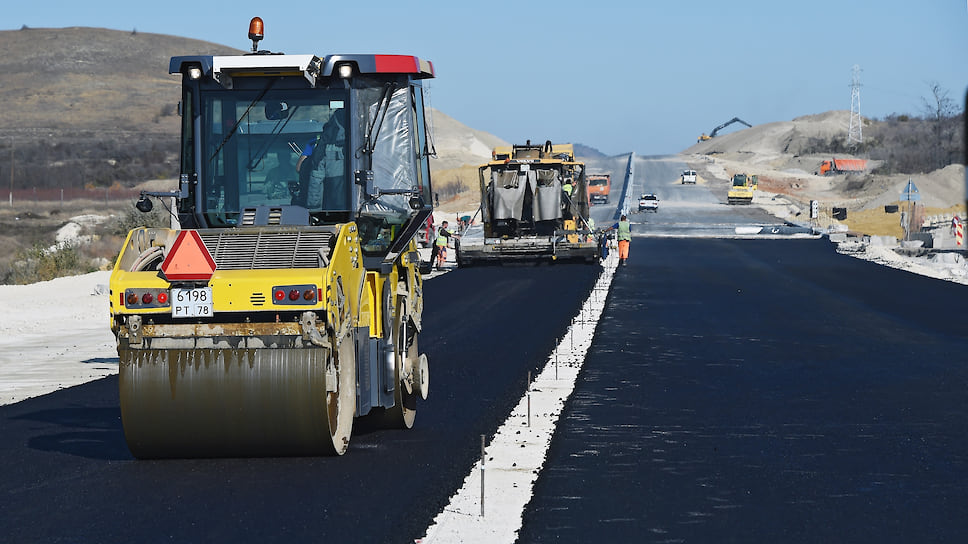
{"points": [[237, 402]]}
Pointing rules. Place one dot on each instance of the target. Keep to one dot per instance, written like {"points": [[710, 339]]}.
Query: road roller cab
{"points": [[287, 300]]}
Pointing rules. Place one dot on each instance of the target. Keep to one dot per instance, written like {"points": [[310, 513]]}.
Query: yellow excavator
{"points": [[703, 137], [285, 301]]}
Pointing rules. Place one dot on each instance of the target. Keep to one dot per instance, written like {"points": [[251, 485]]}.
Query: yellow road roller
{"points": [[286, 299]]}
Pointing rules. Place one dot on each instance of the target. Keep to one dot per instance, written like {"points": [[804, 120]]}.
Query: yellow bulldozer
{"points": [[286, 299]]}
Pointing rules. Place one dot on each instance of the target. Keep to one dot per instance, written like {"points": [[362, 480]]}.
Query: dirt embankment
{"points": [[770, 152]]}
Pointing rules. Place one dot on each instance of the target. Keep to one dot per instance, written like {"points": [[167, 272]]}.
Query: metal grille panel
{"points": [[265, 249]]}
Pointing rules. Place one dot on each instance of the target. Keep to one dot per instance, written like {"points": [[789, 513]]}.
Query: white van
{"points": [[688, 176]]}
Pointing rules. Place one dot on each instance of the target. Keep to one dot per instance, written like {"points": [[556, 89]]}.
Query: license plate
{"points": [[191, 302]]}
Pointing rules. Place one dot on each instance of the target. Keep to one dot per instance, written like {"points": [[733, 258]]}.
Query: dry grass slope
{"points": [[90, 79]]}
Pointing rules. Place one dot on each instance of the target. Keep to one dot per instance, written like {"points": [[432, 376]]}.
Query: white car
{"points": [[688, 176], [649, 202]]}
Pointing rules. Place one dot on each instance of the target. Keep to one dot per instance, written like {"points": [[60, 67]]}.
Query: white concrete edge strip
{"points": [[517, 452], [727, 236]]}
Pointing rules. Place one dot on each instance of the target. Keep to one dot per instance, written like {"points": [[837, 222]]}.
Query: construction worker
{"points": [[590, 224], [440, 244], [322, 181], [567, 187], [624, 239], [433, 243]]}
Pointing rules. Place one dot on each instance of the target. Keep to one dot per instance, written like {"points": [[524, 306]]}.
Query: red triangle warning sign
{"points": [[188, 259]]}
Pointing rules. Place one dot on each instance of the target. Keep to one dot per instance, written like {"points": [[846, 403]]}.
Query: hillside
{"points": [[97, 107], [776, 152], [93, 107], [91, 79], [459, 145]]}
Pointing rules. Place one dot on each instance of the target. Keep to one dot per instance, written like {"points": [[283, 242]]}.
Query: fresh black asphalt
{"points": [[764, 391], [738, 391], [67, 475]]}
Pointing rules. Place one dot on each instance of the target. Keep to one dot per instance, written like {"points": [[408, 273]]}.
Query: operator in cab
{"points": [[321, 166]]}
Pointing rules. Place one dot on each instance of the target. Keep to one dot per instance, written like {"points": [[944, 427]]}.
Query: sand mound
{"points": [[773, 152], [770, 140], [459, 145]]}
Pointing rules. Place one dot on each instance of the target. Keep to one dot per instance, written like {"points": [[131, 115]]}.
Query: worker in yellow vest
{"points": [[440, 244], [567, 187], [624, 239]]}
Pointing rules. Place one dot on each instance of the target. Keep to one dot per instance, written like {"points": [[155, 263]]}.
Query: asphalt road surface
{"points": [[763, 391], [737, 390], [67, 475]]}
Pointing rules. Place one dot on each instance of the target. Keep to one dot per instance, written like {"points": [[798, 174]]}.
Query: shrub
{"points": [[67, 160], [906, 144], [132, 219], [39, 263]]}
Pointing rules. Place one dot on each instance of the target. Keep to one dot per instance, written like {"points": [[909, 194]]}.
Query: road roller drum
{"points": [[236, 402]]}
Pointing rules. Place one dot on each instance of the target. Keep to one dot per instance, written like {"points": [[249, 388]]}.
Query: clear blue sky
{"points": [[621, 75]]}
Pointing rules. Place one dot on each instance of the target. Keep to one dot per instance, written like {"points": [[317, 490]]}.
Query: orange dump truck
{"points": [[599, 186], [842, 166]]}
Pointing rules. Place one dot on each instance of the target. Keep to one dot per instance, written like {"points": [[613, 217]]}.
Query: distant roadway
{"points": [[684, 210]]}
